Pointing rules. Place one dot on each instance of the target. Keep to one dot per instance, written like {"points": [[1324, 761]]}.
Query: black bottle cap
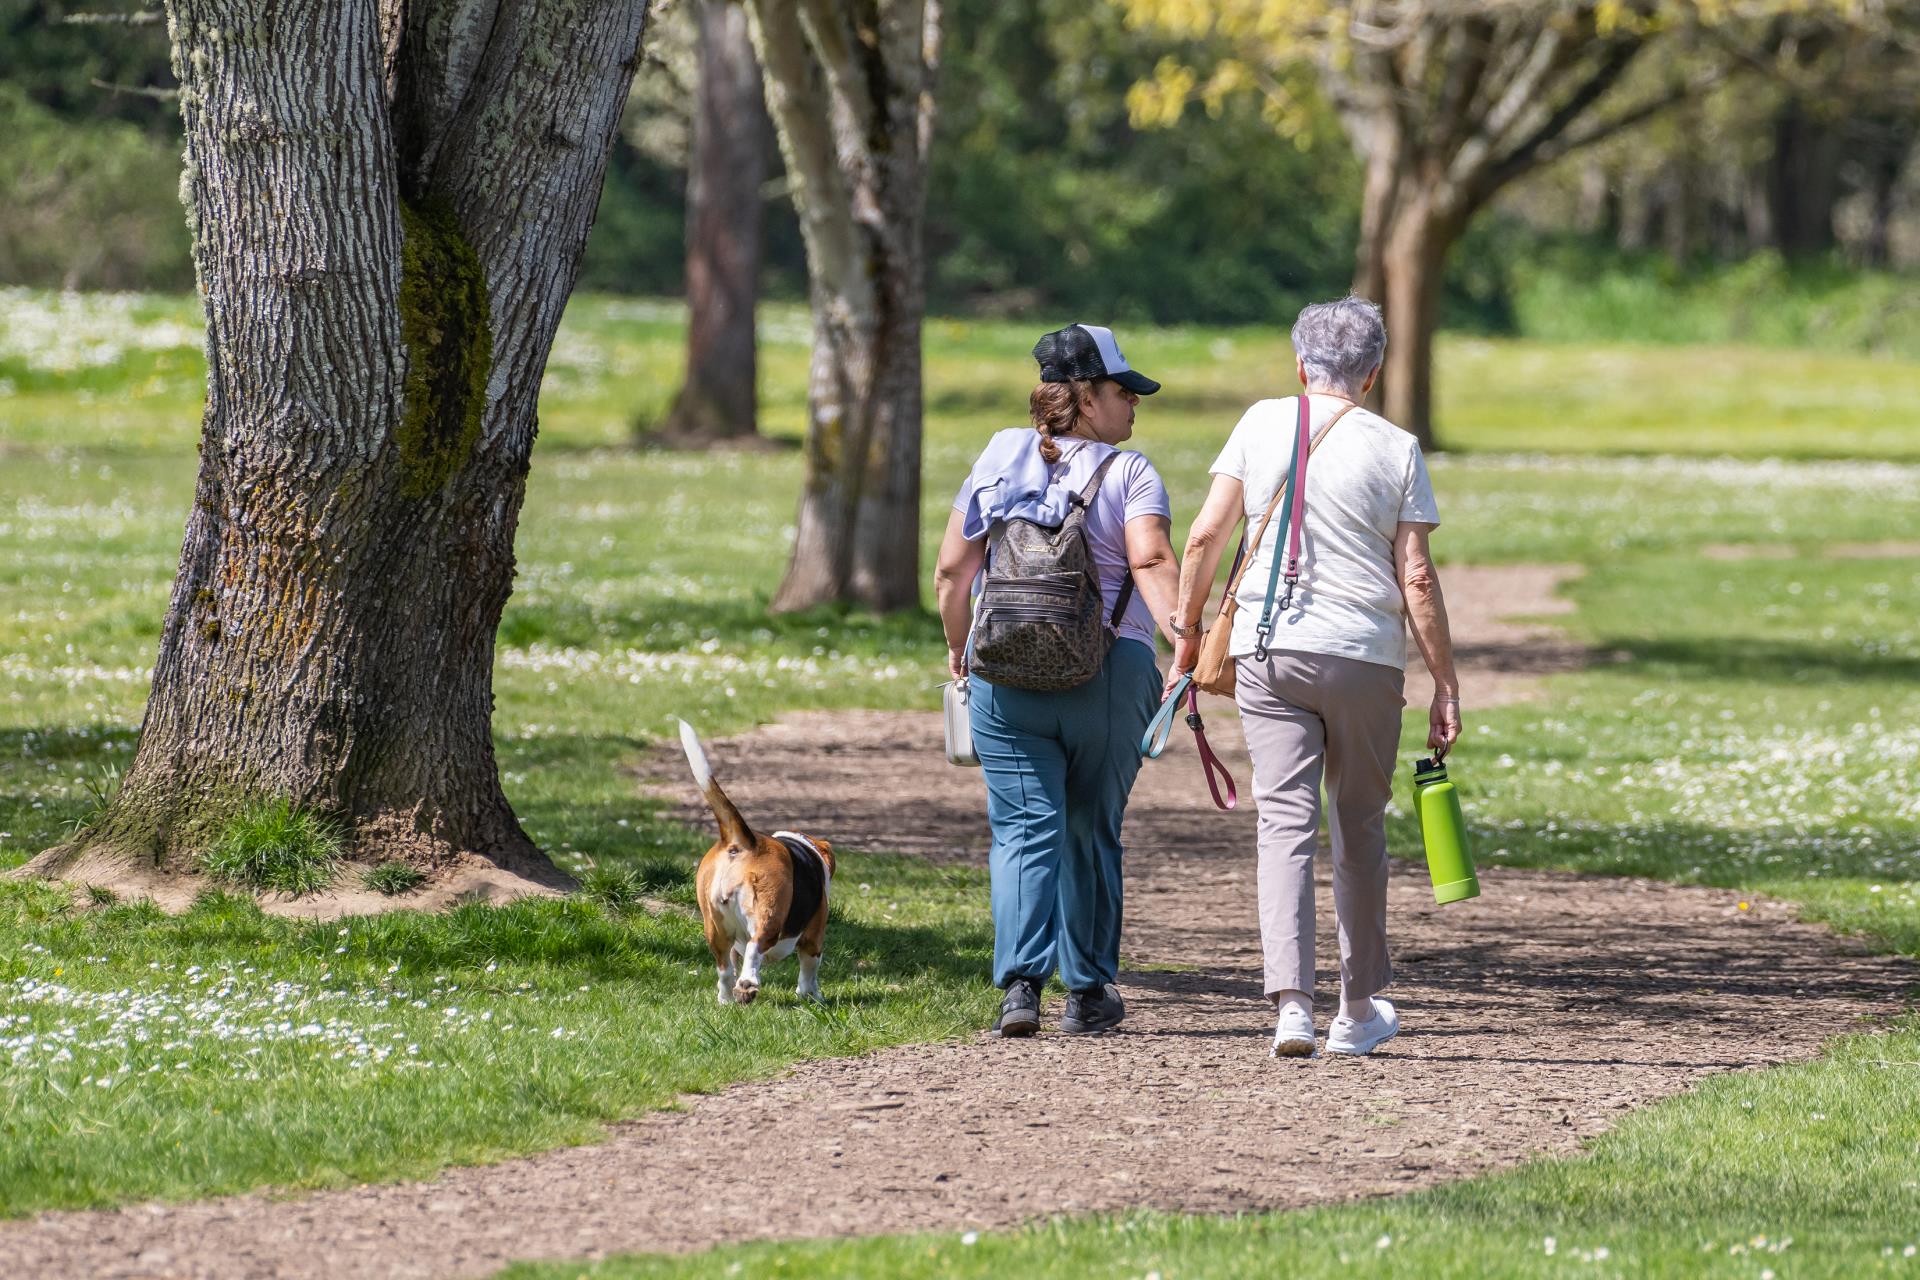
{"points": [[1428, 766]]}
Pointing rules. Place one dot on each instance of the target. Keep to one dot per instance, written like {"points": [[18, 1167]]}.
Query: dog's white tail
{"points": [[733, 827], [696, 756]]}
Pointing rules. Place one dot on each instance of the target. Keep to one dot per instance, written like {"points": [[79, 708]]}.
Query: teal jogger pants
{"points": [[1059, 767]]}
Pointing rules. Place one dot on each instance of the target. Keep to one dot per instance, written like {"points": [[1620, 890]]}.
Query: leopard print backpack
{"points": [[1040, 624]]}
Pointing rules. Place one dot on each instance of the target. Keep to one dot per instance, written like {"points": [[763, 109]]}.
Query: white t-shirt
{"points": [[1366, 477]]}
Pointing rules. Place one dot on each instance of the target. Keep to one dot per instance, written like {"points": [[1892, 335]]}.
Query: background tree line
{"points": [[416, 178], [1043, 192]]}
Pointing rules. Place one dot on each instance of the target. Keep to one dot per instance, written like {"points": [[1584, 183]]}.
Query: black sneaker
{"points": [[1019, 1010], [1098, 1010]]}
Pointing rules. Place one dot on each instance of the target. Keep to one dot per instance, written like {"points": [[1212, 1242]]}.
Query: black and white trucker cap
{"points": [[1083, 351]]}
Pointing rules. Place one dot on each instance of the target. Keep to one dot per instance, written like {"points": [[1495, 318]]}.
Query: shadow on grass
{"points": [[1764, 661], [739, 620], [1687, 853]]}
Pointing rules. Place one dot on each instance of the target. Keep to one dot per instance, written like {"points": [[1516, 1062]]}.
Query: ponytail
{"points": [[1055, 407]]}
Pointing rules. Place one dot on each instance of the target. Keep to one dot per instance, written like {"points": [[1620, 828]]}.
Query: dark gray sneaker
{"points": [[1019, 1010], [1097, 1010]]}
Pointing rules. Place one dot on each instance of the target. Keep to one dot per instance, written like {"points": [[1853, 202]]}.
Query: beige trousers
{"points": [[1306, 715]]}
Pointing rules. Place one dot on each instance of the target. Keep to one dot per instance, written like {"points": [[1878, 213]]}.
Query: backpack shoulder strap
{"points": [[1085, 496], [1085, 499]]}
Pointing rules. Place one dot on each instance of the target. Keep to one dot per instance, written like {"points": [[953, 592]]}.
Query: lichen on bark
{"points": [[448, 332]]}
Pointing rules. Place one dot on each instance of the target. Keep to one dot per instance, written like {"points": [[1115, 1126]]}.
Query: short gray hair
{"points": [[1341, 342]]}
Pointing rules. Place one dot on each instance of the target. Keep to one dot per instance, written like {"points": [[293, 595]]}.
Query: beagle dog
{"points": [[761, 897]]}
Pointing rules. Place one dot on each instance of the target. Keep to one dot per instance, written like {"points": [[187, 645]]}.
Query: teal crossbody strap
{"points": [[1264, 631], [1302, 449]]}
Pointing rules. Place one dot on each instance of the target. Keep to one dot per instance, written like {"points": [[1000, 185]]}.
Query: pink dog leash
{"points": [[1160, 728]]}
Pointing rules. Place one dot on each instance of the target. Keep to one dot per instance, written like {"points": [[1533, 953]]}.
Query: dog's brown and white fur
{"points": [[748, 885]]}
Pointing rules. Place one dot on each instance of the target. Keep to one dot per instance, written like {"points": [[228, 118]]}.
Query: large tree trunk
{"points": [[388, 209], [1803, 181], [1415, 257], [724, 216], [857, 538], [850, 87]]}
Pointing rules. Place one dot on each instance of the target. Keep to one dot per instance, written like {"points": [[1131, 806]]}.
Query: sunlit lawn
{"points": [[1760, 735]]}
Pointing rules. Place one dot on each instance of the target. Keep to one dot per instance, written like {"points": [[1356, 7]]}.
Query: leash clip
{"points": [[1193, 721]]}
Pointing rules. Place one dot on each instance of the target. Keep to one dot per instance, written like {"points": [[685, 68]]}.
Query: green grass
{"points": [[273, 847], [391, 878], [1758, 735], [224, 1049]]}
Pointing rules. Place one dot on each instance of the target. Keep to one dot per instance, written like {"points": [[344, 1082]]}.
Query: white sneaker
{"points": [[1292, 1033], [1359, 1038]]}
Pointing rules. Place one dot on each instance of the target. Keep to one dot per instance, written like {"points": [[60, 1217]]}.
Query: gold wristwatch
{"points": [[1184, 633]]}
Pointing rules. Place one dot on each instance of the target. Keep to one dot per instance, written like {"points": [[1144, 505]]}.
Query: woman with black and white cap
{"points": [[1060, 764]]}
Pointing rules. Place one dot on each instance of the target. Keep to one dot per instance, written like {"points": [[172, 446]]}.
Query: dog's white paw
{"points": [[745, 990]]}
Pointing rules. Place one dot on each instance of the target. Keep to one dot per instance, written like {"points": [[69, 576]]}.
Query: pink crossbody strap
{"points": [[1297, 514]]}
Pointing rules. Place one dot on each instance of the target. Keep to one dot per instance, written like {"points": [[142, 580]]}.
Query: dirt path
{"points": [[1534, 1017]]}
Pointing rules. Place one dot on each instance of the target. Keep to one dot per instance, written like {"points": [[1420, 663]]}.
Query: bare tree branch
{"points": [[1549, 152], [1525, 154], [137, 18], [138, 90], [929, 75]]}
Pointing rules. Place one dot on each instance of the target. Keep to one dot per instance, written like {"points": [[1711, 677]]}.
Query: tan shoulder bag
{"points": [[1213, 671]]}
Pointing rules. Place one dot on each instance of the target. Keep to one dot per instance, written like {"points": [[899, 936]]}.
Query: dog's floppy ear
{"points": [[733, 828]]}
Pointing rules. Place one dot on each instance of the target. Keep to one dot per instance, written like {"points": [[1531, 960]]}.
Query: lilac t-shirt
{"points": [[1131, 488]]}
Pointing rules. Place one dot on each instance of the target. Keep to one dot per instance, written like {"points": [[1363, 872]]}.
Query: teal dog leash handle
{"points": [[1160, 728]]}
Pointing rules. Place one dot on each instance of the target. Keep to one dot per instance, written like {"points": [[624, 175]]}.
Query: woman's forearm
{"points": [[1155, 575], [1197, 567], [1159, 585], [1205, 541], [1427, 617], [956, 609], [1426, 607], [954, 570]]}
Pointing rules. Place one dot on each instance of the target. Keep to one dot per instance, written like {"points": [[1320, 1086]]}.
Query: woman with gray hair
{"points": [[1321, 695]]}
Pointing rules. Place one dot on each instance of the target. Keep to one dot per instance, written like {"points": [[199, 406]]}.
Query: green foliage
{"points": [[391, 878], [56, 65], [1045, 198], [1574, 291], [90, 203], [271, 846], [448, 329]]}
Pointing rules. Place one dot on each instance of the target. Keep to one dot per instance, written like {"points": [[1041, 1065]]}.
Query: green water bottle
{"points": [[1444, 830]]}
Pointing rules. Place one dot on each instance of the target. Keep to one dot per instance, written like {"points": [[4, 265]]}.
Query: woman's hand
{"points": [[1443, 722], [957, 662], [1186, 652], [1186, 655]]}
